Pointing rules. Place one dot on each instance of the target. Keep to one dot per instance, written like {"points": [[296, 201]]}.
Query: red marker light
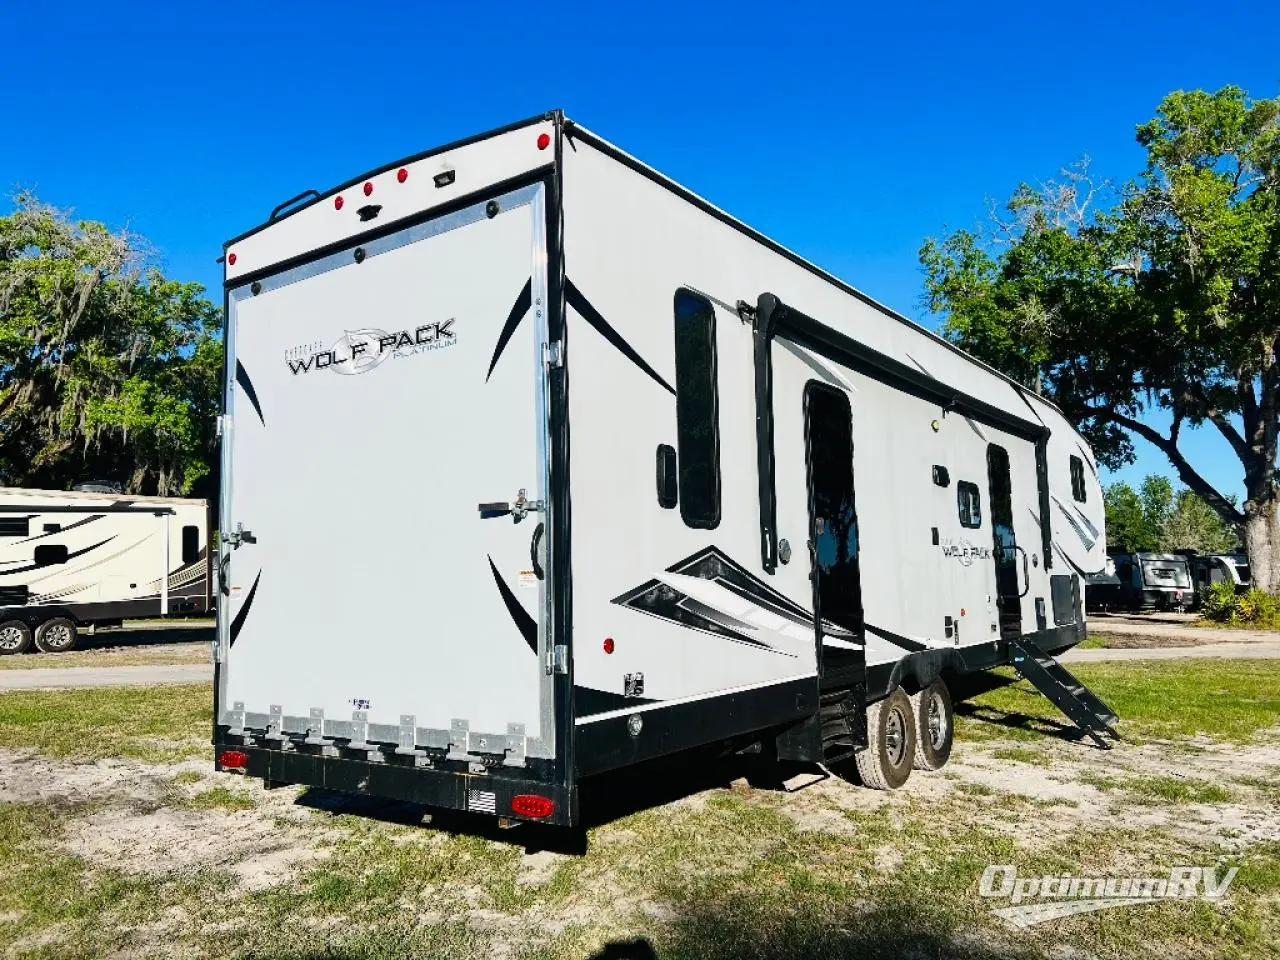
{"points": [[402, 175], [231, 259], [531, 805], [962, 611], [234, 759], [337, 203], [368, 188], [608, 644], [544, 141]]}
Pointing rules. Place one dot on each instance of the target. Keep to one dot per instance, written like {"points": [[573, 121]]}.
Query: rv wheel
{"points": [[57, 635], [891, 743], [15, 637], [935, 722]]}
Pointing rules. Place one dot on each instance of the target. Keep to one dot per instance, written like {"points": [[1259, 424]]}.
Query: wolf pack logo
{"points": [[359, 351], [964, 551]]}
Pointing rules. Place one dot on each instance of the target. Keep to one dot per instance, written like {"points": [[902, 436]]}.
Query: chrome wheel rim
{"points": [[57, 636], [937, 722], [895, 737], [11, 638]]}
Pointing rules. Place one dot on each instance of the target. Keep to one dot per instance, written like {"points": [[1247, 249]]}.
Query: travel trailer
{"points": [[1154, 581], [1211, 568], [538, 465], [88, 558]]}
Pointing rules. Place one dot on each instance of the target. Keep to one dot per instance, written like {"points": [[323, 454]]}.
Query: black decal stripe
{"points": [[593, 317], [588, 701], [238, 623], [664, 602], [242, 378], [896, 639], [70, 556], [1085, 541], [518, 310], [69, 526], [527, 626]]}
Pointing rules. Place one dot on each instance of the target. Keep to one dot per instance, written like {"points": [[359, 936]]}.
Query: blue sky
{"points": [[848, 131]]}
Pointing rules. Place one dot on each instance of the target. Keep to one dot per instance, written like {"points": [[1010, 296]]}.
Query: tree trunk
{"points": [[1262, 542]]}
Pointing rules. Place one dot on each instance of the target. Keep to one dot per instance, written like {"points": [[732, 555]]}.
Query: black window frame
{"points": [[698, 472], [1079, 492], [968, 495], [15, 526], [190, 543]]}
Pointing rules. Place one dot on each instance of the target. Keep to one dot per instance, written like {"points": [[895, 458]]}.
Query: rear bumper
{"points": [[396, 778]]}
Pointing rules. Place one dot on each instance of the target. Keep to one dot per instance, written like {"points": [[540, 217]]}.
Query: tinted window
{"points": [[1077, 479], [190, 544], [969, 502], [697, 427], [15, 526], [52, 527]]}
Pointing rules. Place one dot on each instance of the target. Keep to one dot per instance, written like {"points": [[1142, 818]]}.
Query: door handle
{"points": [[518, 510], [1026, 573]]}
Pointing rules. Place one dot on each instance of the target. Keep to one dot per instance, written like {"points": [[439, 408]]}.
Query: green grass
{"points": [[1094, 643], [159, 724], [1022, 755], [1176, 790], [1227, 700], [219, 798], [186, 777]]}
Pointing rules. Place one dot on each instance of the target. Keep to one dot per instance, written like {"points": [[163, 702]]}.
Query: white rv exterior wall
{"points": [[629, 244]]}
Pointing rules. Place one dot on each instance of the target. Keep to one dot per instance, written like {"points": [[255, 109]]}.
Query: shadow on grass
{"points": [[965, 688], [602, 800], [803, 928]]}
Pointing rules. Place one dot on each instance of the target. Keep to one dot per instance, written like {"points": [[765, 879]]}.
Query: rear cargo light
{"points": [[234, 759], [402, 175], [231, 259], [368, 187], [608, 644], [544, 141], [337, 203], [531, 805]]}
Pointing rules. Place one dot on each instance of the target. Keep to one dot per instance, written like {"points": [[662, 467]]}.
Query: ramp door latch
{"points": [[518, 510], [238, 536]]}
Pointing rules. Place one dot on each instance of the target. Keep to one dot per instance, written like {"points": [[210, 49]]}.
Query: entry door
{"points": [[833, 519], [1005, 547]]}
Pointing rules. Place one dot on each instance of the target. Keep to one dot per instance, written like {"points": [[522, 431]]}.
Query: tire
{"points": [[57, 635], [891, 743], [935, 725], [15, 637]]}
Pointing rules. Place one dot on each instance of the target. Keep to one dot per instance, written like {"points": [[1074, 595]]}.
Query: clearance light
{"points": [[231, 259], [235, 759], [368, 187], [531, 805], [544, 141], [337, 203], [608, 644], [402, 175]]}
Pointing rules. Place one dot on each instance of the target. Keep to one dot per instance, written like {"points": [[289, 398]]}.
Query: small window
{"points": [[697, 415], [1077, 479], [190, 544], [940, 475], [15, 526], [970, 503], [52, 528], [49, 554]]}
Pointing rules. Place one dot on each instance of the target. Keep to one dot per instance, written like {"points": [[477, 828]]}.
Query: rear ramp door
{"points": [[380, 397]]}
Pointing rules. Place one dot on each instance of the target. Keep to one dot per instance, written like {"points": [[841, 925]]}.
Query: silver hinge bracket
{"points": [[553, 354], [558, 659]]}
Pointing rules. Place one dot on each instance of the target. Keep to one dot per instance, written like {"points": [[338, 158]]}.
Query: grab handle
{"points": [[291, 201]]}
